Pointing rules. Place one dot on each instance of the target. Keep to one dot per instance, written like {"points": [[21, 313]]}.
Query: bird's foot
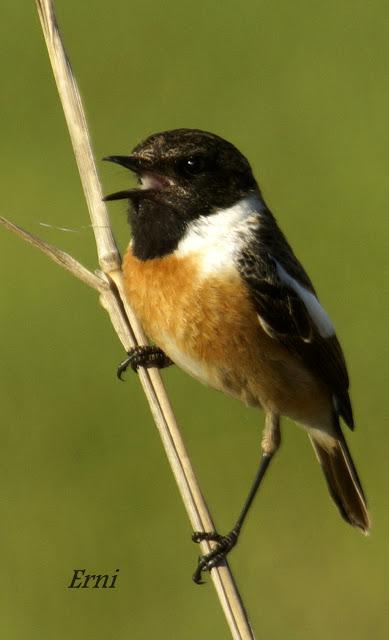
{"points": [[224, 544], [144, 356]]}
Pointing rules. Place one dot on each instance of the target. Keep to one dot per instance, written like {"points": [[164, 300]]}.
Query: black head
{"points": [[183, 174]]}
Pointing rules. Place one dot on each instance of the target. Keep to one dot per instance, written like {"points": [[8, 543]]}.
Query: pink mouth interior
{"points": [[153, 181]]}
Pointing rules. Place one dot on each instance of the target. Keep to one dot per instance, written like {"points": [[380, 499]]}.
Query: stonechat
{"points": [[220, 292]]}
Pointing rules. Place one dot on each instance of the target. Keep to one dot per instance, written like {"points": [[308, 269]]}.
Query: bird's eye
{"points": [[191, 166]]}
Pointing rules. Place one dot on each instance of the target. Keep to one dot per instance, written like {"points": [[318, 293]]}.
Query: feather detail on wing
{"points": [[289, 311]]}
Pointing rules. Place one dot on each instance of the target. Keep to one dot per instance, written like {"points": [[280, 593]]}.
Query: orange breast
{"points": [[209, 327], [210, 319]]}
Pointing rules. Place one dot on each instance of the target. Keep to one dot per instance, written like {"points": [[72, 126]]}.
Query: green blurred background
{"points": [[302, 89]]}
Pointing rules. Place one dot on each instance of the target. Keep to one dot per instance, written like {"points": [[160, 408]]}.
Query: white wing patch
{"points": [[216, 238], [312, 304]]}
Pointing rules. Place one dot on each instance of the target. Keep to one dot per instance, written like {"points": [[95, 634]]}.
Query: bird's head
{"points": [[183, 174]]}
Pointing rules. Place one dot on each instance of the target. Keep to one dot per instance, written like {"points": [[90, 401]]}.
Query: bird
{"points": [[220, 293]]}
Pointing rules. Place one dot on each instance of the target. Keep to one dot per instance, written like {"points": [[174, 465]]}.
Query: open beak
{"points": [[129, 162], [149, 180]]}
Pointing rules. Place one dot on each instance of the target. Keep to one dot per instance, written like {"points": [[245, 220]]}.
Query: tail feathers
{"points": [[343, 481]]}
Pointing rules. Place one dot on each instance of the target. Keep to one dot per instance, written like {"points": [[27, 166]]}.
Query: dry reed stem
{"points": [[109, 283]]}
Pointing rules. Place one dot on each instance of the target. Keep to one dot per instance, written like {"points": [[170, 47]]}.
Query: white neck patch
{"points": [[216, 238]]}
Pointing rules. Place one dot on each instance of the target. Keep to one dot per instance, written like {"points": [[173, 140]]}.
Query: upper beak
{"points": [[129, 162]]}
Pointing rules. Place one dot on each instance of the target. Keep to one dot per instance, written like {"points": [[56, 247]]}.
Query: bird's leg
{"points": [[271, 440], [144, 356]]}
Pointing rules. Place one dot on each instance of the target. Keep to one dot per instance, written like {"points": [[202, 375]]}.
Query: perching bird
{"points": [[220, 292]]}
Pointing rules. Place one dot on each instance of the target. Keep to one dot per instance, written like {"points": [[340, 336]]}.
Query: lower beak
{"points": [[121, 195]]}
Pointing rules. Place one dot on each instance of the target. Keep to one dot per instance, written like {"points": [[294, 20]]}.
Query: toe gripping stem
{"points": [[143, 356], [217, 556]]}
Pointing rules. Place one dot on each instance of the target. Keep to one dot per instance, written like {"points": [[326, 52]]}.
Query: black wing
{"points": [[283, 313]]}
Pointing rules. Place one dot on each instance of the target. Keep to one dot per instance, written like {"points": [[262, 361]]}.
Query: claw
{"points": [[143, 356], [122, 368], [197, 576]]}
